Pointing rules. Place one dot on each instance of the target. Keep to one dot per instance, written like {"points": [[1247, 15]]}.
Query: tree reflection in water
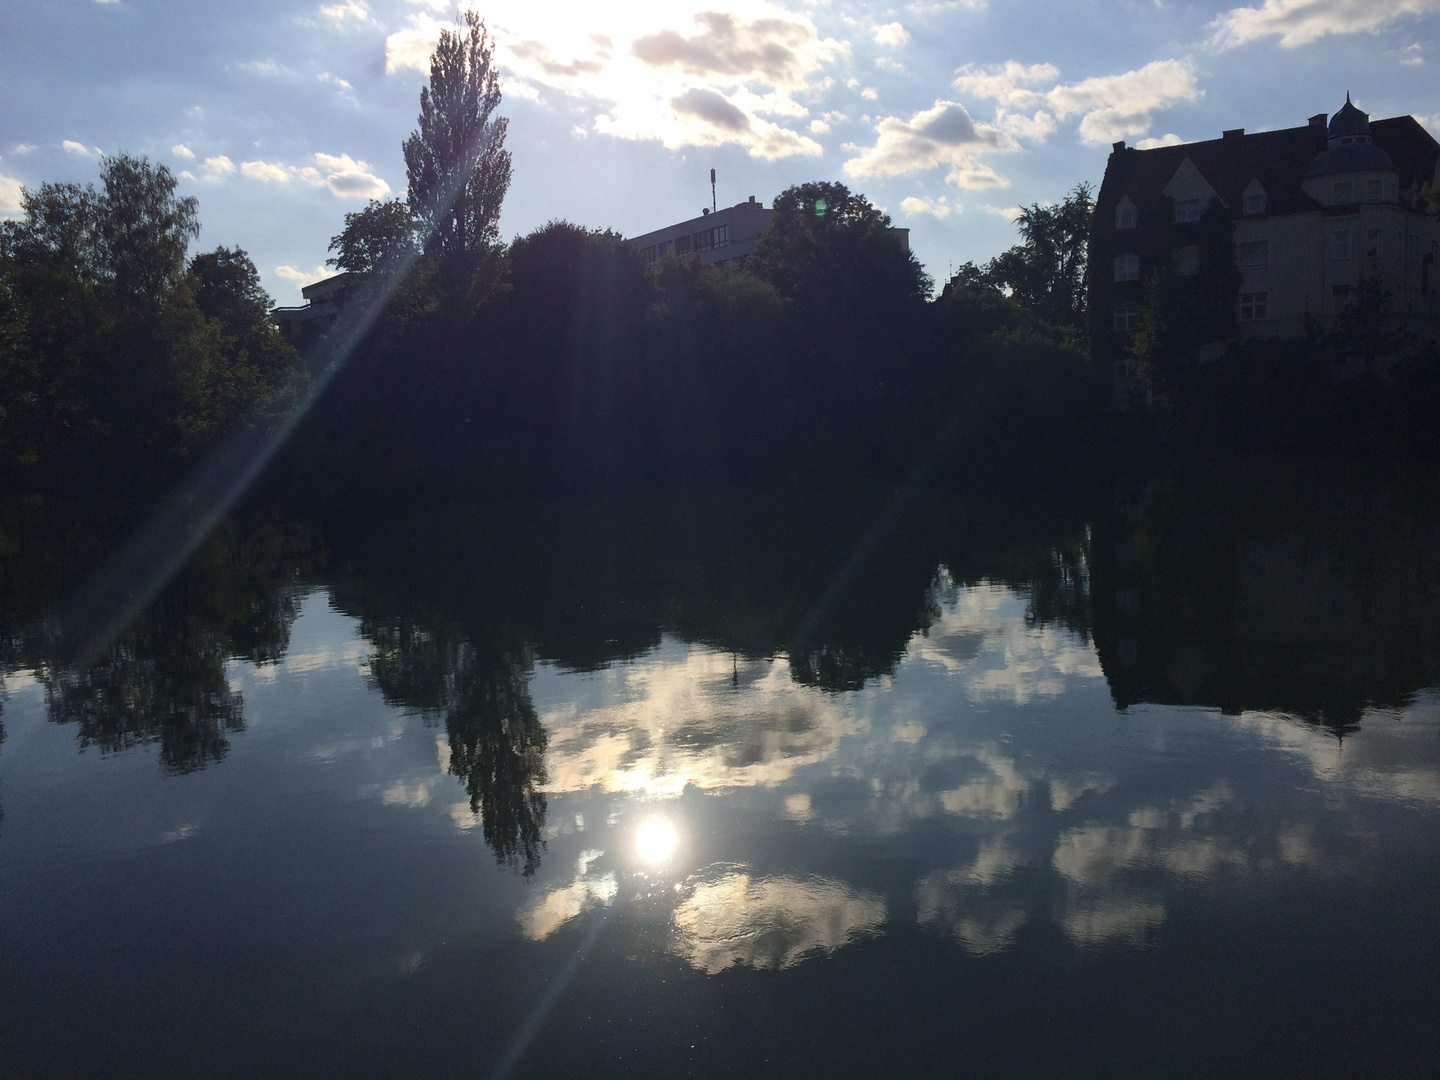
{"points": [[497, 743]]}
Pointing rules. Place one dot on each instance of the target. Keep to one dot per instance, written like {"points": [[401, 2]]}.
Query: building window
{"points": [[1340, 244], [704, 240], [682, 245], [1187, 209], [1125, 369], [1127, 267], [1372, 243], [1254, 204], [1125, 217], [1127, 317], [1253, 254], [722, 235], [1340, 298], [1372, 191], [1185, 261], [664, 248], [1342, 192], [1252, 306]]}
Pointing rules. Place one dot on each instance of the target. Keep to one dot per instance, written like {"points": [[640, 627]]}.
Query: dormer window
{"points": [[1342, 192], [1372, 190], [1187, 209], [1254, 204], [1125, 215]]}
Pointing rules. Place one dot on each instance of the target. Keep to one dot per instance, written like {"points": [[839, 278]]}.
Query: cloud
{"points": [[10, 192], [216, 167], [304, 277], [72, 147], [24, 148], [350, 179], [892, 34], [1110, 106], [347, 11], [180, 150], [261, 170], [1170, 139], [780, 52], [412, 46], [1432, 123], [712, 108], [944, 134], [1299, 22], [728, 918], [870, 94], [939, 208], [1411, 56], [343, 175], [1009, 213]]}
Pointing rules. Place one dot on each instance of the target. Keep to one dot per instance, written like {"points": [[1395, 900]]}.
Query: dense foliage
{"points": [[117, 356]]}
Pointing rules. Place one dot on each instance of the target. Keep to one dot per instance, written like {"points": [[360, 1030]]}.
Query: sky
{"points": [[281, 117]]}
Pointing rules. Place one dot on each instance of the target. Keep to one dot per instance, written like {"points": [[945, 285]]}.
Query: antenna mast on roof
{"points": [[712, 190]]}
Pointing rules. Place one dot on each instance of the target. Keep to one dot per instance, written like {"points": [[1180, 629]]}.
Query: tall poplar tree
{"points": [[456, 161]]}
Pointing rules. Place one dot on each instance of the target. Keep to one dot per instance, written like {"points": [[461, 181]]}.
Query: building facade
{"points": [[714, 237], [316, 315], [1317, 212]]}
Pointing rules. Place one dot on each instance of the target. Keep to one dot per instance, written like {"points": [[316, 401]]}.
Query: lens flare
{"points": [[655, 840]]}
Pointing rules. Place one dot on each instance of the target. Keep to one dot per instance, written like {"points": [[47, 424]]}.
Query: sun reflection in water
{"points": [[655, 840]]}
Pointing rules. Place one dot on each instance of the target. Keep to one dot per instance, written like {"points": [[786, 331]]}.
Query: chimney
{"points": [[1117, 147], [1233, 133], [704, 211], [1319, 120], [752, 198]]}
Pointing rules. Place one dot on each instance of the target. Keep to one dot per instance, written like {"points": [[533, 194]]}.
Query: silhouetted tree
{"points": [[383, 236], [456, 162]]}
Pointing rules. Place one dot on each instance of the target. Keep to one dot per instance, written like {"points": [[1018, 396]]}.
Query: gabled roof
{"points": [[1278, 159]]}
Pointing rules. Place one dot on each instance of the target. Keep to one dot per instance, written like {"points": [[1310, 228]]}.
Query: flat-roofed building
{"points": [[714, 237], [316, 315]]}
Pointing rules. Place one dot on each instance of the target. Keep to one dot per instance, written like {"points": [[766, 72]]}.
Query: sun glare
{"points": [[655, 840]]}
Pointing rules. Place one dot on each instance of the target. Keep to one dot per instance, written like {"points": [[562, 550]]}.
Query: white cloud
{"points": [[1299, 22], [892, 34], [870, 93], [73, 147], [819, 127], [304, 277], [346, 11], [262, 170], [1411, 56], [1432, 123], [180, 150], [1110, 106], [939, 208], [186, 174], [1009, 213], [343, 175], [944, 134], [1169, 139], [770, 923], [652, 71], [350, 179], [10, 192], [216, 167], [24, 148]]}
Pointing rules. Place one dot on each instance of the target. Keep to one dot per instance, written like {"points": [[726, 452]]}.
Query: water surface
{"points": [[738, 783]]}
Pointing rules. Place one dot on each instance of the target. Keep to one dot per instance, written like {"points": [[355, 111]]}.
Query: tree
{"points": [[1046, 272], [829, 246], [380, 238], [456, 162]]}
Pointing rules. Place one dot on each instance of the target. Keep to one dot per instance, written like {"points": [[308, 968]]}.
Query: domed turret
{"points": [[1349, 125], [1348, 148]]}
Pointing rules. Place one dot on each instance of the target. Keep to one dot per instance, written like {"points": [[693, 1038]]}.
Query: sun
{"points": [[655, 840]]}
